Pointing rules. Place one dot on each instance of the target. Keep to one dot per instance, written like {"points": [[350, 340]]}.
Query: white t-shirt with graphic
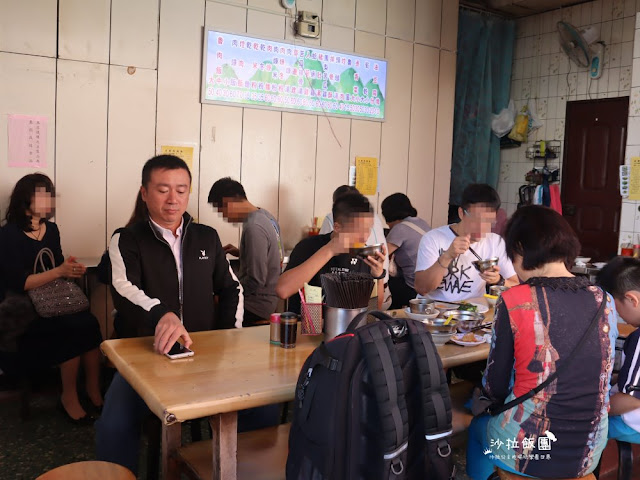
{"points": [[466, 282]]}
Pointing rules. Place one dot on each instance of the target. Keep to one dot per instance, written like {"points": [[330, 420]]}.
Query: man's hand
{"points": [[376, 263], [491, 276], [342, 242], [459, 246], [232, 250], [168, 331]]}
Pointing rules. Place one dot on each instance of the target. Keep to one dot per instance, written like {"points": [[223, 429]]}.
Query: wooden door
{"points": [[594, 146]]}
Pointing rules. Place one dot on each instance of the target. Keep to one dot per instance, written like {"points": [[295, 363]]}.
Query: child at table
{"points": [[621, 278]]}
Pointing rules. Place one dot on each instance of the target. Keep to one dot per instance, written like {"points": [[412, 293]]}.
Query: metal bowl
{"points": [[497, 290], [484, 265], [437, 325], [423, 306], [465, 320], [366, 251]]}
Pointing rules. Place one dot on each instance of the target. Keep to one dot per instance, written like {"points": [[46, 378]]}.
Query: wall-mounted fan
{"points": [[583, 47]]}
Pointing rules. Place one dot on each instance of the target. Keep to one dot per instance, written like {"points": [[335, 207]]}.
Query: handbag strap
{"points": [[561, 368], [40, 260], [414, 227]]}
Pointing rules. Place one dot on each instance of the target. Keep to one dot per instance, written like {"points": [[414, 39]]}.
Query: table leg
{"points": [[224, 427], [171, 441]]}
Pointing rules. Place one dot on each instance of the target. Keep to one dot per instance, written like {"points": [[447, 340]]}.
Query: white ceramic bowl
{"points": [[582, 260], [440, 338], [420, 316]]}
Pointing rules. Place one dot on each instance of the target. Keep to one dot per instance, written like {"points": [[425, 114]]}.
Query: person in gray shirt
{"points": [[403, 241], [260, 249]]}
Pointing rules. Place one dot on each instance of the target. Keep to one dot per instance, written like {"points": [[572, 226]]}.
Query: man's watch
{"points": [[384, 272]]}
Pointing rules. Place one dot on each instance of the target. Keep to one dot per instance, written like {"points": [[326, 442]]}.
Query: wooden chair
{"points": [[89, 471]]}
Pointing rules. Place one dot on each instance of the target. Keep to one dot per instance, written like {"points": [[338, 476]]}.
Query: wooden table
{"points": [[232, 370]]}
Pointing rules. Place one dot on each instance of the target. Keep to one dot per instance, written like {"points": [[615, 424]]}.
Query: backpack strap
{"points": [[436, 403], [386, 376]]}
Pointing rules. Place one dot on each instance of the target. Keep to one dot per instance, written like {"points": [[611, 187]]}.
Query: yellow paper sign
{"points": [[634, 179], [185, 153], [367, 175]]}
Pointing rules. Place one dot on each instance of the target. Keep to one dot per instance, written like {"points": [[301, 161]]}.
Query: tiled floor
{"points": [[47, 441]]}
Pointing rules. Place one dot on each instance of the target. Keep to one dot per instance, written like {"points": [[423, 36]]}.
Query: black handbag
{"points": [[58, 297]]}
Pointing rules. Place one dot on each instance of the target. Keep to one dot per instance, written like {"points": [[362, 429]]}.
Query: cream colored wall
{"points": [[106, 120]]}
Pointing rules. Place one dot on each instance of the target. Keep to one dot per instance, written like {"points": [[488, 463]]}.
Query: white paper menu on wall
{"points": [[27, 141]]}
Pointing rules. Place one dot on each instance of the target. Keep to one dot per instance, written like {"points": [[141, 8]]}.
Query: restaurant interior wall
{"points": [[542, 71], [117, 79]]}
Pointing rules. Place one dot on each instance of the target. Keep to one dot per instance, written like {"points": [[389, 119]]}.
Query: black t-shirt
{"points": [[340, 263]]}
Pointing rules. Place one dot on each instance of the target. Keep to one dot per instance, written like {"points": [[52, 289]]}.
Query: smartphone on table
{"points": [[179, 351]]}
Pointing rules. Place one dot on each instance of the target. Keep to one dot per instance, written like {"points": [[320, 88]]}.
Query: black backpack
{"points": [[371, 404]]}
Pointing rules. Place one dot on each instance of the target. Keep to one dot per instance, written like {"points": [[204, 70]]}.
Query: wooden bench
{"points": [[262, 455]]}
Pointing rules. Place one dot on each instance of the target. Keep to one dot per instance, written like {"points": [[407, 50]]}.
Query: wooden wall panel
{"points": [[449, 27], [339, 12], [27, 87], [401, 19], [365, 134], [444, 138], [273, 5], [29, 27], [297, 175], [179, 77], [221, 155], [428, 21], [84, 30], [227, 18], [394, 150], [134, 32], [371, 16], [81, 154], [261, 157], [422, 134], [332, 161], [265, 25], [131, 139], [338, 38]]}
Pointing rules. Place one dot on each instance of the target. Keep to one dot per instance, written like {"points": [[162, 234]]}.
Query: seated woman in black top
{"points": [[64, 340]]}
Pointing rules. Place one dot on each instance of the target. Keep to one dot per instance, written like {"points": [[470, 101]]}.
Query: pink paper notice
{"points": [[27, 141]]}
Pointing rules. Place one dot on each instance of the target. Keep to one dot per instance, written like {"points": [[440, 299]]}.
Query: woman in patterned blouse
{"points": [[561, 431]]}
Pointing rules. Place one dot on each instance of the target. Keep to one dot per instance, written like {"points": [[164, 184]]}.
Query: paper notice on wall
{"points": [[367, 175], [634, 179], [27, 140], [181, 151]]}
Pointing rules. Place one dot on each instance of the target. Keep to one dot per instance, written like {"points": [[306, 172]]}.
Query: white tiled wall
{"points": [[541, 71], [630, 215]]}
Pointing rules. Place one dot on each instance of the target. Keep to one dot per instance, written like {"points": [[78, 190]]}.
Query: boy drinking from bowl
{"points": [[621, 278], [445, 268]]}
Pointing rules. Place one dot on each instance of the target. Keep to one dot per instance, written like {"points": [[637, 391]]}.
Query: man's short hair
{"points": [[349, 206], [226, 187], [480, 194], [163, 162], [342, 190], [540, 236], [619, 276]]}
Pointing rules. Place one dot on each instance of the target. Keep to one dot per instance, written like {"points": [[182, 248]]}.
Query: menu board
{"points": [[254, 72]]}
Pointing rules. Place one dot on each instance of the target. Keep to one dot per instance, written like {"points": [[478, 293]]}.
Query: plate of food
{"points": [[467, 339], [473, 307]]}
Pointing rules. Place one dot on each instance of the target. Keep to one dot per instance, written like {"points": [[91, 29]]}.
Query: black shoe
{"points": [[82, 421]]}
